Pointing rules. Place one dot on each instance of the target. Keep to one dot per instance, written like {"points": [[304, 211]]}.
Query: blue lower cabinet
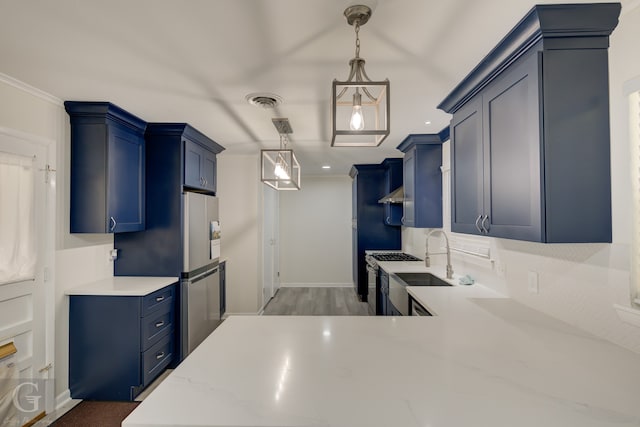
{"points": [[119, 344]]}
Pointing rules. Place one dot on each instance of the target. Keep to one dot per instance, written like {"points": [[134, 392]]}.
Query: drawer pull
{"points": [[160, 355], [160, 324], [158, 299]]}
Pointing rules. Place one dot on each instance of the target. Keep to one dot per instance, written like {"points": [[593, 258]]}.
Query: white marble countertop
{"points": [[484, 360], [123, 286]]}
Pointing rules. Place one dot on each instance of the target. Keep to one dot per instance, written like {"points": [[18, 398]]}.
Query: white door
{"points": [[27, 215], [270, 275]]}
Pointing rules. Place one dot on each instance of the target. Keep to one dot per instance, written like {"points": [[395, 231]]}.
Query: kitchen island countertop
{"points": [[123, 286], [485, 360]]}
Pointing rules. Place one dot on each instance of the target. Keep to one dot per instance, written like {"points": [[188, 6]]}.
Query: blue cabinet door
{"points": [[193, 161], [126, 181], [467, 169], [512, 155], [409, 179], [209, 170], [422, 207]]}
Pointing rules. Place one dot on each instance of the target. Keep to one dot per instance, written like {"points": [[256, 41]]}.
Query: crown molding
{"points": [[30, 89]]}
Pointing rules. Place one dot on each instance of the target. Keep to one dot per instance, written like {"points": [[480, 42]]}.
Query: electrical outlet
{"points": [[533, 282]]}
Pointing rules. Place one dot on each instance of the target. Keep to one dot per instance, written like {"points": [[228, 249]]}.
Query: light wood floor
{"points": [[316, 302]]}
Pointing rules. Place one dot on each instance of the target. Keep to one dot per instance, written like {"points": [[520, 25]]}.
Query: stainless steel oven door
{"points": [[372, 274], [398, 295]]}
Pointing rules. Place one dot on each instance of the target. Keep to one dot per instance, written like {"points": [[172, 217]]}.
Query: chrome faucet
{"points": [[427, 260]]}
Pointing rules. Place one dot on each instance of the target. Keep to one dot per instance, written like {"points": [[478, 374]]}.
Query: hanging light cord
{"points": [[283, 141], [356, 25], [357, 68]]}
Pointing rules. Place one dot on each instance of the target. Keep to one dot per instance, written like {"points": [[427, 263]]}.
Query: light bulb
{"points": [[281, 170], [357, 118]]}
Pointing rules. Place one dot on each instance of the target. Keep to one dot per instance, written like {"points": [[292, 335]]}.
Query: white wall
{"points": [[240, 193], [315, 233], [578, 283], [29, 110]]}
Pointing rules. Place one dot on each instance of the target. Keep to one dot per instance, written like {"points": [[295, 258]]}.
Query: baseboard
{"points": [[63, 399], [316, 285], [63, 404]]}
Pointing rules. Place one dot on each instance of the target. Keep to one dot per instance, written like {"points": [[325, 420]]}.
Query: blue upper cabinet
{"points": [[198, 153], [107, 169], [530, 131], [199, 166], [422, 180]]}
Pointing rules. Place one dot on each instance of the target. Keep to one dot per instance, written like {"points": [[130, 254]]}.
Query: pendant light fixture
{"points": [[279, 167], [359, 106]]}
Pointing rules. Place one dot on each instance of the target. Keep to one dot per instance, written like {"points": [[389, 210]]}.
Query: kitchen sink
{"points": [[421, 279]]}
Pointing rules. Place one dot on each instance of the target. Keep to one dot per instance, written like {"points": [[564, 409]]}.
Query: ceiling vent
{"points": [[264, 100]]}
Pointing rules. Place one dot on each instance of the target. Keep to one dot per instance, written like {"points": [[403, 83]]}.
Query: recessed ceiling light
{"points": [[428, 122], [326, 167]]}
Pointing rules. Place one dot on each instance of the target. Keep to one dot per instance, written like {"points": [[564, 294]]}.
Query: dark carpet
{"points": [[96, 414]]}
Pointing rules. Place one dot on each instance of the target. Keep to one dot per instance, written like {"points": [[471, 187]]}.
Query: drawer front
{"points": [[159, 300], [155, 326], [156, 359]]}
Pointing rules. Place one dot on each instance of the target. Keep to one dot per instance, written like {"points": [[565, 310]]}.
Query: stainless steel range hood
{"points": [[396, 196]]}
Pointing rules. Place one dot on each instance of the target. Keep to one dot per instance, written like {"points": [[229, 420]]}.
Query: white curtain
{"points": [[17, 218]]}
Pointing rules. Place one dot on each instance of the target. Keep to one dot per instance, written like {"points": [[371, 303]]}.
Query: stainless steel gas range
{"points": [[378, 290]]}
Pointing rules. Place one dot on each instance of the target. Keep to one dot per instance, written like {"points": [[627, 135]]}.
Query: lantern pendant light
{"points": [[279, 167], [359, 106]]}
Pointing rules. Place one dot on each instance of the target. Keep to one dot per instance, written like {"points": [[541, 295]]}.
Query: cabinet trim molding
{"points": [[184, 129], [557, 25]]}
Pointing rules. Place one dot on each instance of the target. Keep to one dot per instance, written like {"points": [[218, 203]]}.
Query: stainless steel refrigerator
{"points": [[200, 281]]}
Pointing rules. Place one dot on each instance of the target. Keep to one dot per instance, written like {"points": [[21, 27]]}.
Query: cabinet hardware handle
{"points": [[160, 355], [160, 324], [486, 229], [158, 299], [477, 225], [113, 224]]}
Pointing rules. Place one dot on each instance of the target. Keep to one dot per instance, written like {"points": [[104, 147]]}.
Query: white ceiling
{"points": [[195, 61]]}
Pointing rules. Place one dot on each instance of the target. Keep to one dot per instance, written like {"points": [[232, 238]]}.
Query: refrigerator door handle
{"points": [[203, 275]]}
